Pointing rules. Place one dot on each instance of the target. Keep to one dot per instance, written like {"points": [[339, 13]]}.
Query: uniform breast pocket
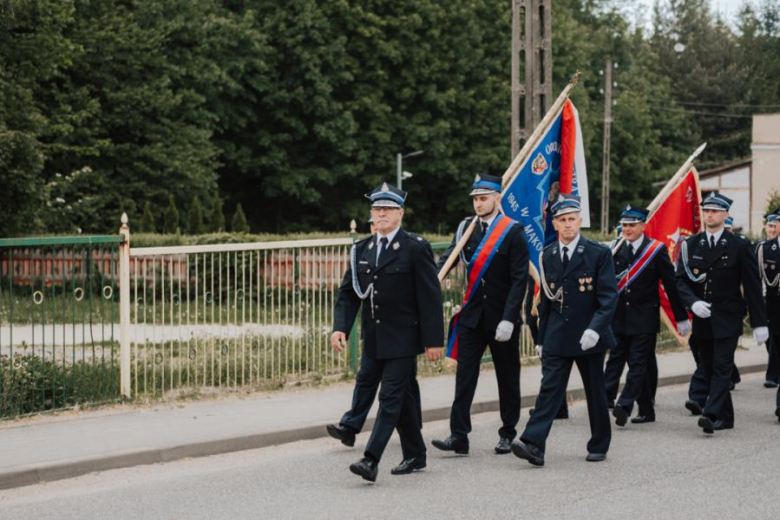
{"points": [[726, 261], [399, 269]]}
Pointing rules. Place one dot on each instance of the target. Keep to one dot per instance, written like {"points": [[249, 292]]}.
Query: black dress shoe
{"points": [[563, 413], [504, 446], [531, 411], [343, 433], [528, 452], [770, 384], [693, 406], [706, 424], [610, 403], [366, 468], [409, 466], [452, 443], [777, 413], [720, 425], [641, 419], [596, 457], [620, 414], [732, 386]]}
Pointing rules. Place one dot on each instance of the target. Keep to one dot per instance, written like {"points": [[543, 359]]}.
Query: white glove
{"points": [[761, 334], [684, 327], [504, 331], [539, 351], [702, 309], [589, 339]]}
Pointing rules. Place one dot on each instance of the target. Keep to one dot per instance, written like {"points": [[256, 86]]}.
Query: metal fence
{"points": [[91, 320], [59, 313]]}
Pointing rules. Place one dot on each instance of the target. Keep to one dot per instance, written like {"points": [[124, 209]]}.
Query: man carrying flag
{"points": [[641, 263], [496, 256]]}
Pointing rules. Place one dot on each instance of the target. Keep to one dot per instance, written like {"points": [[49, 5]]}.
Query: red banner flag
{"points": [[677, 217]]}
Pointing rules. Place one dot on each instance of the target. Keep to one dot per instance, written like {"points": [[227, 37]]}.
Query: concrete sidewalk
{"points": [[51, 448]]}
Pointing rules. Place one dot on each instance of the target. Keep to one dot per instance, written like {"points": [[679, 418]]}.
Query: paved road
{"points": [[664, 470]]}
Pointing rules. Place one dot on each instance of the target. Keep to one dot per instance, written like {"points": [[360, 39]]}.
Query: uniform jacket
{"points": [[638, 309], [500, 295], [771, 250], [731, 268], [407, 313], [589, 299]]}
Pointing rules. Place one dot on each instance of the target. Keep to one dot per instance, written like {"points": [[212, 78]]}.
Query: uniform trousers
{"points": [[553, 391], [398, 409], [506, 360]]}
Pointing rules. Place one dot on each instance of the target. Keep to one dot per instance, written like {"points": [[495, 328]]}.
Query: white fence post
{"points": [[124, 310]]}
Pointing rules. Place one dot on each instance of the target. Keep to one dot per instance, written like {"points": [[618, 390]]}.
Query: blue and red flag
{"points": [[556, 165], [476, 269]]}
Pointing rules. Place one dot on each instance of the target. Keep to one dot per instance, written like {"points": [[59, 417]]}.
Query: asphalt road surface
{"points": [[668, 469]]}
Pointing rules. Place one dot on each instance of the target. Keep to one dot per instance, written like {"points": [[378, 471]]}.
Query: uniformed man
{"points": [[578, 300], [772, 378], [366, 387], [641, 263], [769, 268], [394, 275], [492, 317], [715, 267]]}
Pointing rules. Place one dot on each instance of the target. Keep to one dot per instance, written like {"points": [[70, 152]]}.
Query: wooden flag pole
{"points": [[664, 193], [514, 168]]}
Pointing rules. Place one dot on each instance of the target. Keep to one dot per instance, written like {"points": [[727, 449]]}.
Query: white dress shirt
{"points": [[390, 236], [571, 245]]}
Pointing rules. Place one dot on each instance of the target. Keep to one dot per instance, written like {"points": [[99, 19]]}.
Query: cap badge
{"points": [[385, 187]]}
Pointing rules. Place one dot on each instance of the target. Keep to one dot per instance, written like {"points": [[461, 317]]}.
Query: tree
{"points": [[216, 219], [147, 223], [238, 224], [196, 226], [171, 217]]}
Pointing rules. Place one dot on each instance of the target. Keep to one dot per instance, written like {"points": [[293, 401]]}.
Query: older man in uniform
{"points": [[769, 268], [715, 267], [492, 317], [394, 274], [366, 387], [641, 263], [578, 300]]}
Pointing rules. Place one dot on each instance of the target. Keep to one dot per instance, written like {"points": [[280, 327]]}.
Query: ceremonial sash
{"points": [[476, 270], [639, 265]]}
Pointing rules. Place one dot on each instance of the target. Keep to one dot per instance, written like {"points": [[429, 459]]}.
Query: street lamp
{"points": [[400, 174]]}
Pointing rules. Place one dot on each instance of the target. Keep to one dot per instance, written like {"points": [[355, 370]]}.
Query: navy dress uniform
{"points": [[769, 267], [395, 278], [579, 297], [637, 318], [714, 268], [498, 298]]}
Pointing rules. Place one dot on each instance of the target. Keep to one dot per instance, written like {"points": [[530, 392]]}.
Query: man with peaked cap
{"points": [[641, 263], [768, 253], [496, 251], [393, 274], [366, 387], [772, 378], [714, 269], [579, 295]]}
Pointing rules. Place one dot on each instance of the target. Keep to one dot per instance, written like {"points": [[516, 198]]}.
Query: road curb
{"points": [[62, 470]]}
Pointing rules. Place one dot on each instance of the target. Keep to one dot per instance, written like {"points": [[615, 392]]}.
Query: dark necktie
{"points": [[484, 227], [631, 251], [712, 242], [565, 257], [382, 247]]}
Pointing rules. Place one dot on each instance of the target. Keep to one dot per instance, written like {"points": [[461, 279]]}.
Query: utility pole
{"points": [[531, 67], [607, 126]]}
